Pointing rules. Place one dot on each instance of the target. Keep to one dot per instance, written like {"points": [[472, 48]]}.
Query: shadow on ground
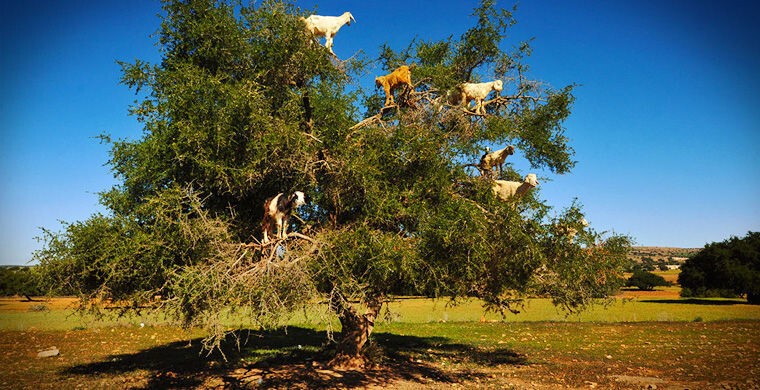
{"points": [[698, 301], [295, 358]]}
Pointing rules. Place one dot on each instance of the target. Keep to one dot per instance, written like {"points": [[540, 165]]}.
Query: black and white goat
{"points": [[277, 211]]}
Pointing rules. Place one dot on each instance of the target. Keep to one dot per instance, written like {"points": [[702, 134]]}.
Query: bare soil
{"points": [[21, 304]]}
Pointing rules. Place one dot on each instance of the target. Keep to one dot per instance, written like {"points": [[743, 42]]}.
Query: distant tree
{"points": [[640, 267], [662, 267], [732, 265], [644, 280], [244, 105], [19, 281]]}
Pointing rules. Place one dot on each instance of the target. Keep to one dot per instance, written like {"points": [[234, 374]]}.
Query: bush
{"points": [[38, 308], [644, 280], [727, 269], [18, 281]]}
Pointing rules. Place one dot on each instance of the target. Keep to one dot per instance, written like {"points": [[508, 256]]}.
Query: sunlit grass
{"points": [[421, 310], [621, 310]]}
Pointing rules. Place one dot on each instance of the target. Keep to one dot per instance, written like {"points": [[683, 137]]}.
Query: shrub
{"points": [[728, 269], [38, 308], [18, 281], [645, 280]]}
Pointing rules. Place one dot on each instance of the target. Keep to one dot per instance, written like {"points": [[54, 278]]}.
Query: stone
{"points": [[50, 352]]}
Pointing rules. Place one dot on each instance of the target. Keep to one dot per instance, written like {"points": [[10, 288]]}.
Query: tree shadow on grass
{"points": [[295, 358], [698, 301]]}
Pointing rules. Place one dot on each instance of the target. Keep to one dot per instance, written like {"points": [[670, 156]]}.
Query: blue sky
{"points": [[666, 125]]}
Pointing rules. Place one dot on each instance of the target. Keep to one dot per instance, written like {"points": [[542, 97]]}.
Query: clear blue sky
{"points": [[666, 126]]}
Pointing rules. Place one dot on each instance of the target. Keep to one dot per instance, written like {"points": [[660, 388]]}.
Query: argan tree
{"points": [[730, 267], [244, 105], [645, 280]]}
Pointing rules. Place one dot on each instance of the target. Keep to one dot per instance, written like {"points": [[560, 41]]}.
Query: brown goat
{"points": [[399, 77]]}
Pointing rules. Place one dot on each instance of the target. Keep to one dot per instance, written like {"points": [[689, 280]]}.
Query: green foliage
{"points": [[727, 268], [646, 264], [19, 281], [245, 105], [644, 280]]}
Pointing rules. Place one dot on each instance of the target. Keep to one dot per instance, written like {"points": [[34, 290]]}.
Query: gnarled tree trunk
{"points": [[355, 331]]}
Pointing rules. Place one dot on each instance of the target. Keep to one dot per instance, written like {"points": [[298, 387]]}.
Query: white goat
{"points": [[494, 159], [327, 26], [277, 209], [570, 229], [505, 189], [478, 92]]}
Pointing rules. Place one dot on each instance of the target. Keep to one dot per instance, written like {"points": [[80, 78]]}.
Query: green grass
{"points": [[621, 310], [420, 310]]}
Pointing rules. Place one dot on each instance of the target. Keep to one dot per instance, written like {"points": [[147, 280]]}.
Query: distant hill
{"points": [[656, 253]]}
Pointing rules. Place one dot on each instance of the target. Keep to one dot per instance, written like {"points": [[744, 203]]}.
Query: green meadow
{"points": [[422, 310]]}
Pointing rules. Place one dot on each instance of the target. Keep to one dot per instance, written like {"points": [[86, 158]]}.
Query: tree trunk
{"points": [[355, 331]]}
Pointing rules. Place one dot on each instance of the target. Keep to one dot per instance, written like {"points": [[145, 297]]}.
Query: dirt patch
{"points": [[21, 304], [644, 381], [658, 294]]}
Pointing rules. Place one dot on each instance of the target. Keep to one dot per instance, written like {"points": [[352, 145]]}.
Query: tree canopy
{"points": [[645, 280], [731, 266], [245, 104], [17, 280]]}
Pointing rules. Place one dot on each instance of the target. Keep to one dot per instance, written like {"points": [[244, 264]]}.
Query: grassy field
{"points": [[662, 304], [642, 339]]}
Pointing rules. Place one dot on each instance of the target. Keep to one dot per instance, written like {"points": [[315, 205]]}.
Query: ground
{"points": [[469, 354]]}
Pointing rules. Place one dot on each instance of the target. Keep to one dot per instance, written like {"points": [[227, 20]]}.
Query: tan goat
{"points": [[494, 159], [390, 82]]}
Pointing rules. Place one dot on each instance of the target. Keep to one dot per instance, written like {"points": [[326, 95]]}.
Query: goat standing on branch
{"points": [[570, 229], [400, 77], [277, 210], [504, 189], [478, 92], [494, 159], [327, 26]]}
